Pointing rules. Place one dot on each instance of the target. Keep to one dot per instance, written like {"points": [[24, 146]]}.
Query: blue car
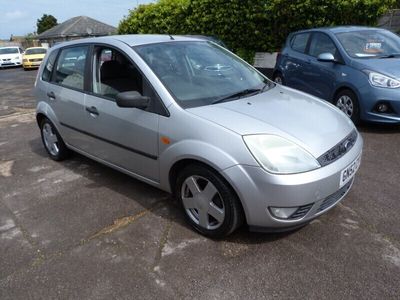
{"points": [[355, 68]]}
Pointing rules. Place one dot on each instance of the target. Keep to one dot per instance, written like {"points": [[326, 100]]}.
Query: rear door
{"points": [[66, 92]]}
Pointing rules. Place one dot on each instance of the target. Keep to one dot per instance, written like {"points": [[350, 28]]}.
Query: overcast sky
{"points": [[18, 17]]}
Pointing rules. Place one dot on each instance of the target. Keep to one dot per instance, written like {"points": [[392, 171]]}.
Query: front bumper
{"points": [[31, 65], [10, 63], [319, 189], [370, 96]]}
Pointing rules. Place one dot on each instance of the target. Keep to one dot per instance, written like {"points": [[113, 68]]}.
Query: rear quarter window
{"points": [[299, 42], [48, 69]]}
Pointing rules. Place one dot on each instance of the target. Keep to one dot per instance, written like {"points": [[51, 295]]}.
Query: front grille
{"points": [[35, 59], [339, 150], [301, 212], [335, 197]]}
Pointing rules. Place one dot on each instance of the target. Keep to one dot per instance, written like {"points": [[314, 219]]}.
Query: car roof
{"points": [[340, 29], [35, 48], [133, 39]]}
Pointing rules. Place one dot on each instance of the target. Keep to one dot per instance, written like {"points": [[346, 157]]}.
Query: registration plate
{"points": [[348, 173]]}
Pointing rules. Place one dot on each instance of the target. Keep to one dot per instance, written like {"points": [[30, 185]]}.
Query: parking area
{"points": [[78, 229]]}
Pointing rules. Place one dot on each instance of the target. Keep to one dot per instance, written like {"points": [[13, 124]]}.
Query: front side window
{"points": [[299, 42], [201, 73], [321, 43], [114, 73], [370, 43], [70, 67]]}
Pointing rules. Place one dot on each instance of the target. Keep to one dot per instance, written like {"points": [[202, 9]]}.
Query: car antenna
{"points": [[172, 38]]}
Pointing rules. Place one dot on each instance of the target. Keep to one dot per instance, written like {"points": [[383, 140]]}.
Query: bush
{"points": [[247, 26]]}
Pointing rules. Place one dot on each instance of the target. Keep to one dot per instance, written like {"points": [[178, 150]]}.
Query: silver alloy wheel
{"points": [[345, 104], [202, 202], [278, 79], [50, 139]]}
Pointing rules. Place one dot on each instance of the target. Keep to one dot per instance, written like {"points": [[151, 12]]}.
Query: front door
{"points": [[322, 76], [125, 137]]}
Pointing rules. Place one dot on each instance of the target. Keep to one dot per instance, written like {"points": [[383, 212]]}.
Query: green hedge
{"points": [[247, 26]]}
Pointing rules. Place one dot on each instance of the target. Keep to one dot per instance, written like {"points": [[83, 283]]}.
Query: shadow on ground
{"points": [[126, 185]]}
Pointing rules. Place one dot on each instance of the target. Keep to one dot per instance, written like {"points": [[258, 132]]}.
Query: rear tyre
{"points": [[347, 102], [278, 78], [53, 142], [209, 203]]}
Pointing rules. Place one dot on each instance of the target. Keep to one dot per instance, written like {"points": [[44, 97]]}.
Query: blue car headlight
{"points": [[380, 80]]}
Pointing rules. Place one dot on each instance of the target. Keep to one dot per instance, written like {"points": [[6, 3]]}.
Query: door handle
{"points": [[92, 110], [51, 95]]}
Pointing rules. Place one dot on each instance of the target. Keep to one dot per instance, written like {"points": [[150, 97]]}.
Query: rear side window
{"points": [[48, 69], [299, 42], [70, 68]]}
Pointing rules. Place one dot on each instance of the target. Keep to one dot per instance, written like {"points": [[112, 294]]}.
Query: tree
{"points": [[247, 26], [45, 22]]}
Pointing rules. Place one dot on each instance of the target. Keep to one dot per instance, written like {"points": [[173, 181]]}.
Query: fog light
{"points": [[282, 212], [382, 107]]}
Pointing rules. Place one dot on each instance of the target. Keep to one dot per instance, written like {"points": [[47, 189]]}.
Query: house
{"points": [[76, 28]]}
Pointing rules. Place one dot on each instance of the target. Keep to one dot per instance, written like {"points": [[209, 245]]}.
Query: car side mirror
{"points": [[326, 57], [132, 99]]}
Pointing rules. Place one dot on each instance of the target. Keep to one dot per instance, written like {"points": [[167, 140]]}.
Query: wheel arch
{"points": [[344, 88], [183, 163], [44, 110]]}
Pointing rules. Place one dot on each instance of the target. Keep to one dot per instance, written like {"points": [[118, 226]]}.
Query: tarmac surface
{"points": [[80, 230]]}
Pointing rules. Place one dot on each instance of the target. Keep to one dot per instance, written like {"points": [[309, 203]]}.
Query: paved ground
{"points": [[78, 229]]}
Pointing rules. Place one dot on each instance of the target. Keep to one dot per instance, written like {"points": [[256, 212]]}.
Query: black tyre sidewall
{"points": [[356, 106], [233, 211], [63, 152], [279, 74]]}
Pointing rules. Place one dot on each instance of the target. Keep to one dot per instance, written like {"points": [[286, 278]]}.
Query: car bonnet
{"points": [[305, 120]]}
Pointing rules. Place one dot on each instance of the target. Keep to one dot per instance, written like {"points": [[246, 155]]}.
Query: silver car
{"points": [[191, 118]]}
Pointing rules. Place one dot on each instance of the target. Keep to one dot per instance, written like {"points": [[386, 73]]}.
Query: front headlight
{"points": [[280, 156], [380, 80], [25, 60]]}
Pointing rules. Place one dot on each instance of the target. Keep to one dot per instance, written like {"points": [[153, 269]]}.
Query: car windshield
{"points": [[202, 73], [8, 50], [370, 43], [35, 51]]}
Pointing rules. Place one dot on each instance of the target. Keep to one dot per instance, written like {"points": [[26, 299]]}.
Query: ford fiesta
{"points": [[191, 118]]}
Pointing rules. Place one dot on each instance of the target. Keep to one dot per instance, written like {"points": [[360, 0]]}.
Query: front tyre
{"points": [[278, 78], [52, 141], [347, 102], [209, 203]]}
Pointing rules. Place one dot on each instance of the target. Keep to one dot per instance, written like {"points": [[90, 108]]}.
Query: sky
{"points": [[18, 17]]}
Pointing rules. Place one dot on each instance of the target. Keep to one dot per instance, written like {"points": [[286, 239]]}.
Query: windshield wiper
{"points": [[240, 94], [392, 55]]}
